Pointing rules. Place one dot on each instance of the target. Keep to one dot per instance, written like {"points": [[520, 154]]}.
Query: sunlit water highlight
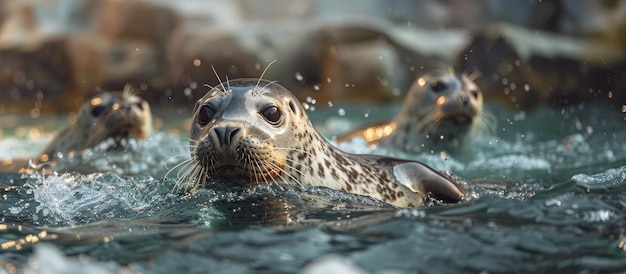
{"points": [[563, 209]]}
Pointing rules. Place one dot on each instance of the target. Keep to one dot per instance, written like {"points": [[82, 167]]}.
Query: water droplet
{"points": [[187, 92], [193, 85], [316, 87], [330, 104], [299, 76], [35, 113], [526, 87], [366, 115], [328, 80], [341, 112], [305, 105]]}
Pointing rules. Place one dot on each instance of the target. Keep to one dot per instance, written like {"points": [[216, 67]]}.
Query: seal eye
{"points": [[438, 86], [97, 111], [205, 115], [139, 105], [474, 93], [271, 114]]}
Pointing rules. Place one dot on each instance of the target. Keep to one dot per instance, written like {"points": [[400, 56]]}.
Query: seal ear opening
{"points": [[422, 179], [292, 106]]}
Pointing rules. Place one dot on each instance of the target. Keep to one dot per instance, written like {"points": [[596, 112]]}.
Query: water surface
{"points": [[562, 212]]}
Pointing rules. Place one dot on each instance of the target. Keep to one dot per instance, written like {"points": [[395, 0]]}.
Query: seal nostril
{"points": [[465, 100], [230, 134], [226, 135]]}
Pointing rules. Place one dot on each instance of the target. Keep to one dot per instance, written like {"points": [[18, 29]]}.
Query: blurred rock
{"points": [[362, 71], [524, 69], [55, 53], [28, 76]]}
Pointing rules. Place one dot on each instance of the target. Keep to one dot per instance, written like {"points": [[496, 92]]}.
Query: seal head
{"points": [[116, 115]]}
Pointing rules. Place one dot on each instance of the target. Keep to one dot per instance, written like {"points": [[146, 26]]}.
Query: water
{"points": [[562, 212]]}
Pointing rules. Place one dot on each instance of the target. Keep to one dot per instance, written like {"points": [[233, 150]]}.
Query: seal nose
{"points": [[465, 100], [225, 134]]}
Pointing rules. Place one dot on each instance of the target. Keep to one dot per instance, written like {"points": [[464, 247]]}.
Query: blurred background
{"points": [[55, 53]]}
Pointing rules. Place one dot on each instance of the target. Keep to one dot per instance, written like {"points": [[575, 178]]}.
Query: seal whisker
{"points": [[265, 170], [287, 165], [184, 174], [218, 78], [282, 173], [186, 178], [186, 162], [487, 123], [269, 83], [431, 122], [98, 135], [177, 155], [293, 161], [228, 83], [263, 74]]}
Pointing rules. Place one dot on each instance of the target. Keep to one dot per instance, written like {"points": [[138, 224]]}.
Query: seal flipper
{"points": [[423, 179]]}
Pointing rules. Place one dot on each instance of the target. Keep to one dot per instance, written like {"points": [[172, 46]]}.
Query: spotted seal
{"points": [[253, 131], [117, 115], [443, 111]]}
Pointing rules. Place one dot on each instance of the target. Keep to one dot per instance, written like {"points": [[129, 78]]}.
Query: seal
{"points": [[116, 115], [253, 131], [442, 112]]}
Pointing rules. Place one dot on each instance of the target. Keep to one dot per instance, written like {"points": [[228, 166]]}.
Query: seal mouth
{"points": [[458, 119], [262, 174], [125, 132]]}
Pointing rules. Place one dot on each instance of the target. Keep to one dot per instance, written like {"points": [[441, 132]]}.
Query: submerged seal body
{"points": [[443, 111], [117, 115], [252, 131]]}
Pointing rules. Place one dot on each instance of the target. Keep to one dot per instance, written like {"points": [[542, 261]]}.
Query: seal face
{"points": [[443, 111], [117, 115], [252, 131]]}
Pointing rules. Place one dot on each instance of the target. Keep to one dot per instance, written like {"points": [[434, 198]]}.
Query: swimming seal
{"points": [[117, 115], [443, 111], [253, 131]]}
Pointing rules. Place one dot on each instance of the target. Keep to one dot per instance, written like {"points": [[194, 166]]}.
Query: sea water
{"points": [[561, 209]]}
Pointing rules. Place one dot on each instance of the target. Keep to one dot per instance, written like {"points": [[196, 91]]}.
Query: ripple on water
{"points": [[152, 156], [72, 198]]}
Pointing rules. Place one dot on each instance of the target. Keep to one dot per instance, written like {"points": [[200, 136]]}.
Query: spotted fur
{"points": [[236, 138]]}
